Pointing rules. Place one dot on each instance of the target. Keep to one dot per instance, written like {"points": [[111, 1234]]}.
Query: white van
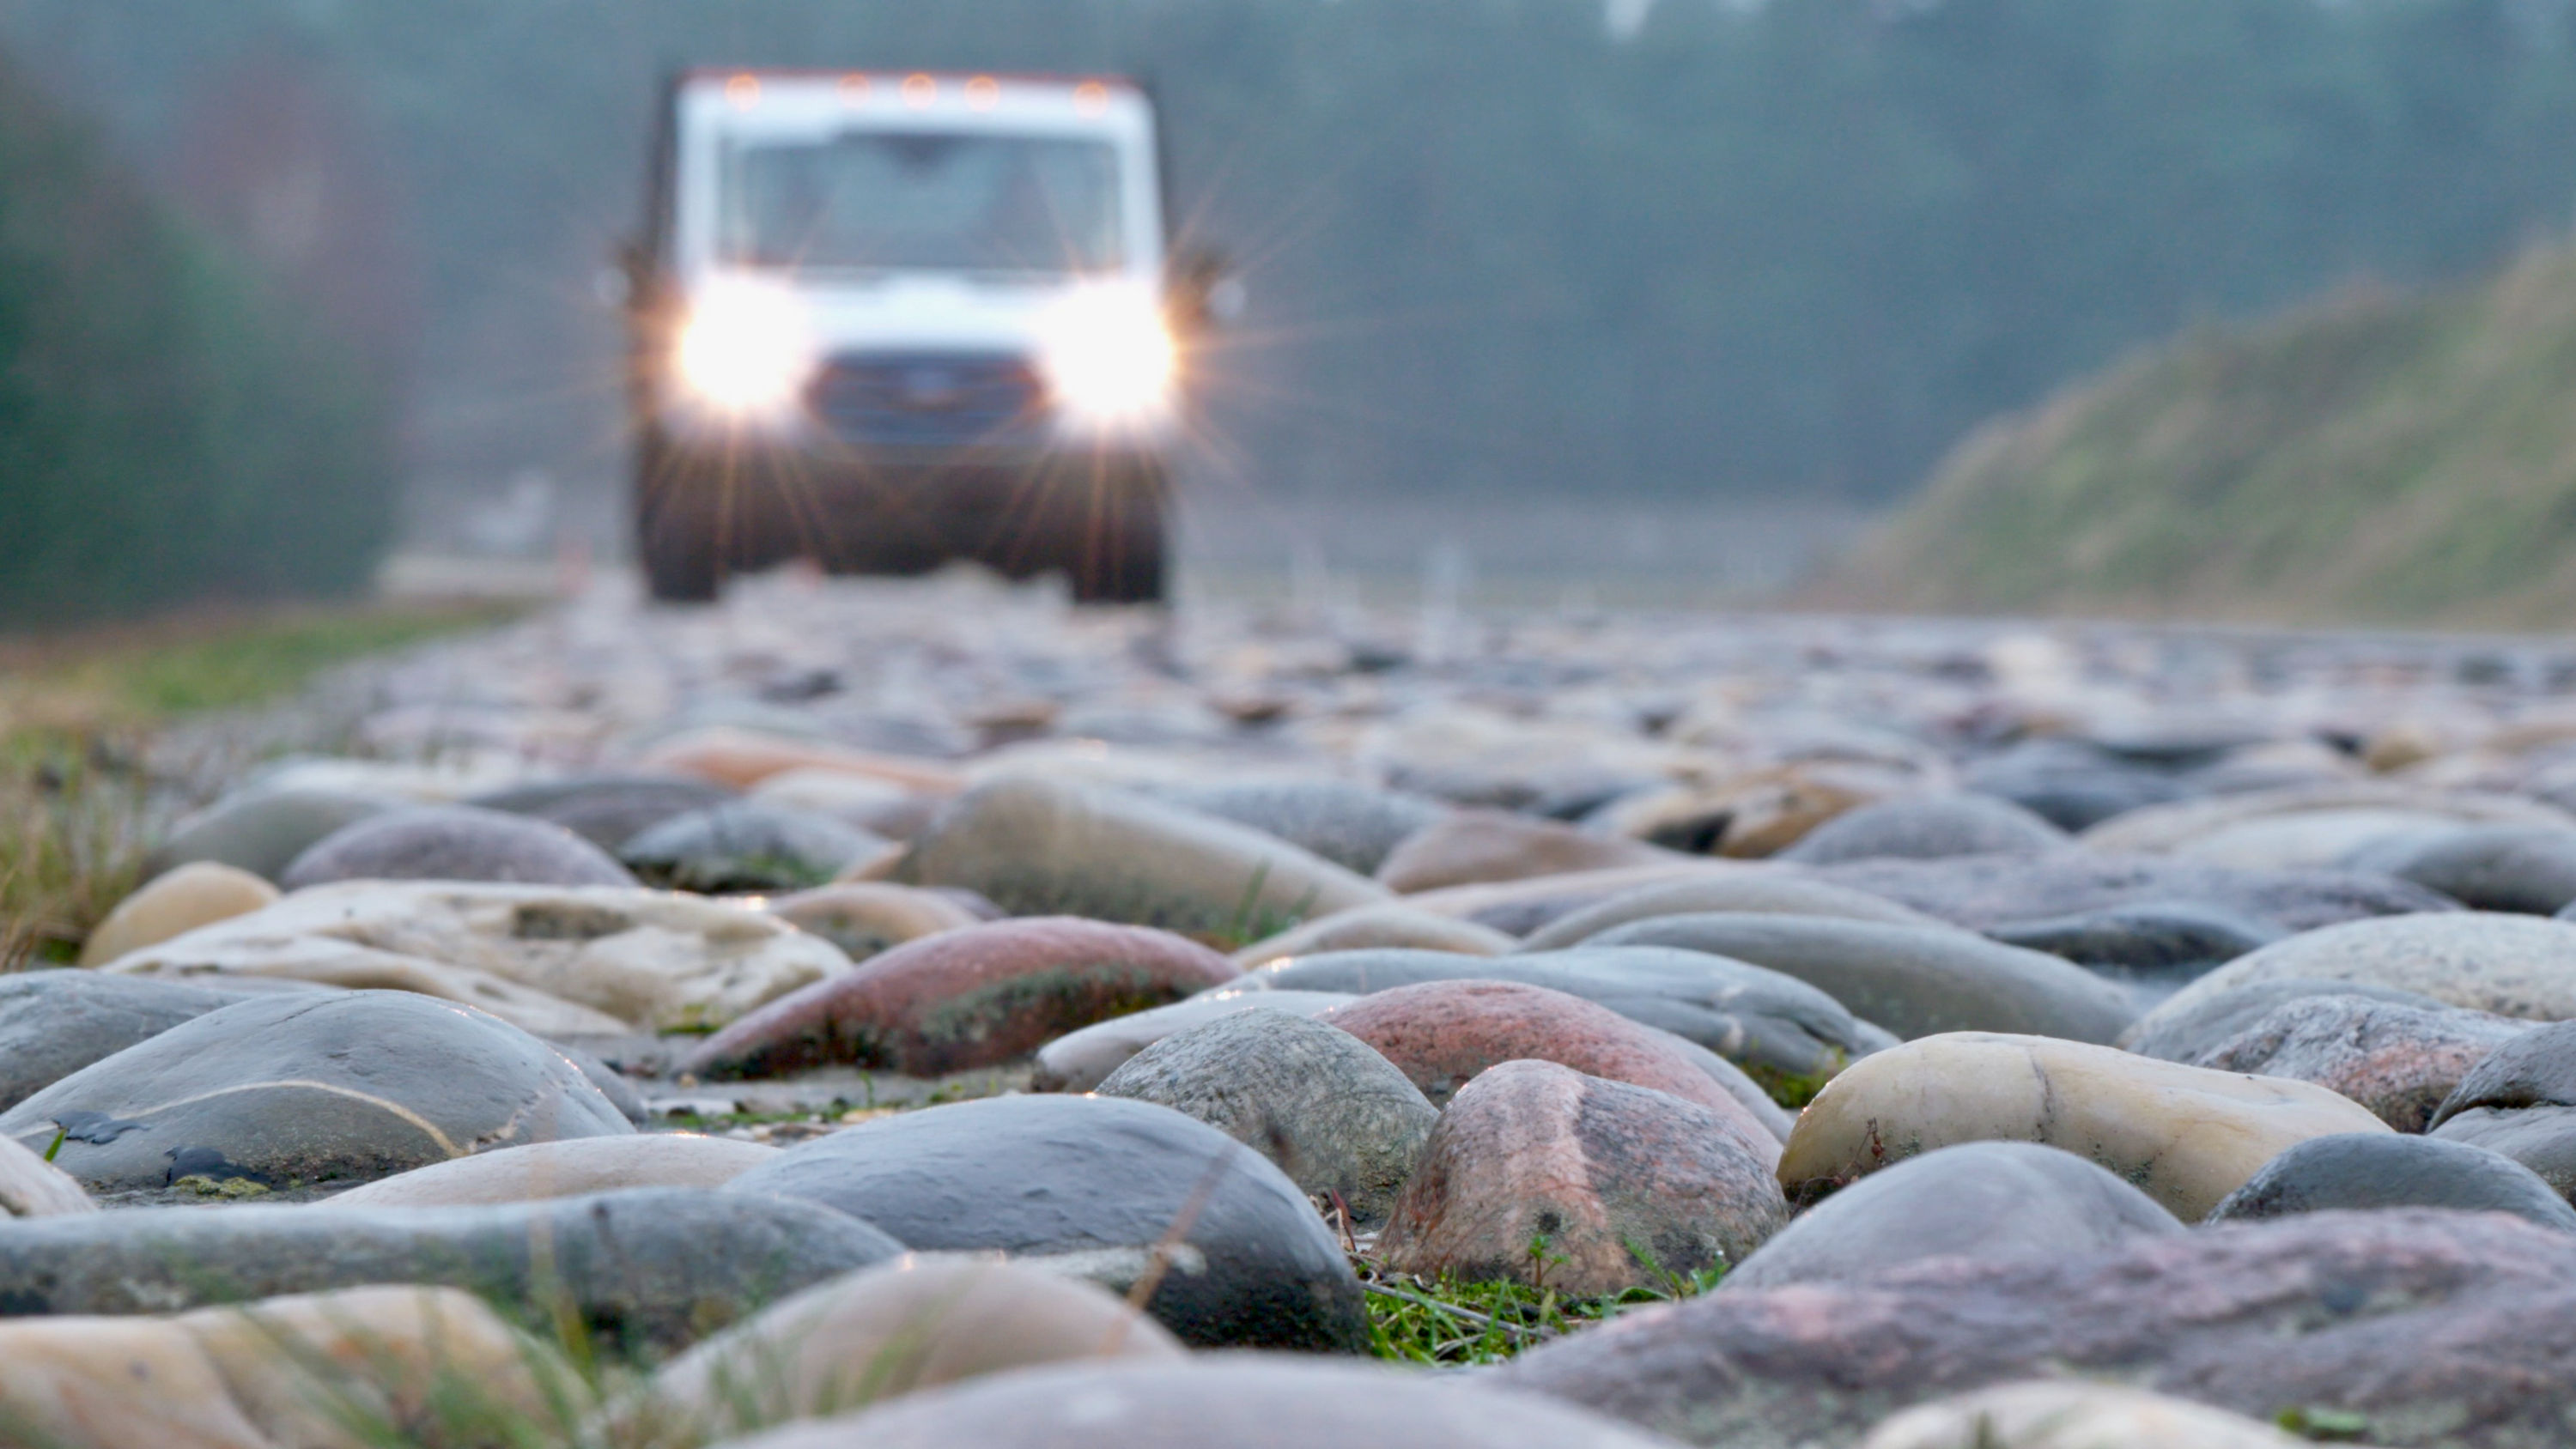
{"points": [[882, 320]]}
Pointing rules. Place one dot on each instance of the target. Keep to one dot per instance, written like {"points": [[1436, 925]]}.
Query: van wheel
{"points": [[675, 543], [1121, 562], [680, 566]]}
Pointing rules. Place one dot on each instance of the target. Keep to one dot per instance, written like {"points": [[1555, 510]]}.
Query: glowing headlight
{"points": [[744, 352], [1109, 360]]}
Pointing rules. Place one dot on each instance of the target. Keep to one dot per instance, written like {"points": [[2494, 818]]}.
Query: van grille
{"points": [[928, 399]]}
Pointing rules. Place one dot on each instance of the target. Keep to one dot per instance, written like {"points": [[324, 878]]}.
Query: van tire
{"points": [[1122, 561], [676, 544]]}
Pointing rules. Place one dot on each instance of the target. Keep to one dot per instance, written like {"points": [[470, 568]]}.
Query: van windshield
{"points": [[927, 200]]}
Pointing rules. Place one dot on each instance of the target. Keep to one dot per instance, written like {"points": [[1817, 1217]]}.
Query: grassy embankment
{"points": [[2381, 457], [77, 709]]}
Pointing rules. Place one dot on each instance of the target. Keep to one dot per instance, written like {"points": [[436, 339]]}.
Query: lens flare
{"points": [[744, 352], [1109, 360]]}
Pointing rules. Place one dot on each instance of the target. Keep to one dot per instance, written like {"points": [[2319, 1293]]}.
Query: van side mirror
{"points": [[1203, 291]]}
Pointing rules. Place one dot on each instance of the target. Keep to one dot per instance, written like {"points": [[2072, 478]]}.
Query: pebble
{"points": [[274, 1092], [1978, 1198], [1479, 847], [1544, 1175], [1979, 892], [2525, 868], [912, 1324], [1913, 980], [2397, 1059], [745, 845], [557, 962], [454, 843], [31, 1187], [1079, 1061], [314, 1371], [2072, 1414], [607, 809], [1773, 893], [1239, 1399], [199, 893], [575, 1167], [1353, 826], [1443, 1034], [879, 807], [741, 759], [2484, 961], [864, 918], [2307, 826], [2186, 1136], [647, 1271], [1784, 1032], [2071, 784], [2521, 1101], [53, 1023], [2414, 1327], [2184, 1032], [1389, 925], [965, 998], [1342, 1121], [1106, 1179], [2372, 1170], [2167, 944], [1929, 827], [262, 831], [1041, 847]]}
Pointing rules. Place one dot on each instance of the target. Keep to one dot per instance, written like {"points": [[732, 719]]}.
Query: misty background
{"points": [[1524, 274]]}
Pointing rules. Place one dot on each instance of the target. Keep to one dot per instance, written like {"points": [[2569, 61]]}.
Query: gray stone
{"points": [[1335, 1116], [2437, 1330], [2385, 1170], [455, 843], [2526, 868], [1234, 1400], [1751, 892], [1983, 891], [1079, 1061], [645, 1271], [1982, 1198], [2162, 942], [2187, 1031], [2521, 1101], [2516, 966], [2070, 783], [608, 810], [1927, 827], [1913, 980], [1777, 1028], [1049, 1176], [53, 1023], [1353, 826], [746, 846], [304, 1088], [2398, 1059], [1039, 846], [262, 831]]}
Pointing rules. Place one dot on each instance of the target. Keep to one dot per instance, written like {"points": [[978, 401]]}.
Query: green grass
{"points": [[1447, 1323], [77, 711], [2381, 456]]}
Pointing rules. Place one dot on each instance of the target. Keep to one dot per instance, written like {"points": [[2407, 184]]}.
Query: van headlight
{"points": [[1109, 360], [744, 353]]}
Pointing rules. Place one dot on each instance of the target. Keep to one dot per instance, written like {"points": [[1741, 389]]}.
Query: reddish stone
{"points": [[2397, 1059], [1475, 846], [1542, 1174], [965, 998], [1442, 1033]]}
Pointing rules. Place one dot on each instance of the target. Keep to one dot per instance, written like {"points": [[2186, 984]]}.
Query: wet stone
{"points": [[262, 831], [2371, 1170], [747, 846], [1353, 826], [1984, 891], [607, 810], [455, 843], [1079, 1061], [2401, 1061], [2159, 943], [1770, 893], [1930, 827], [2525, 868], [53, 1023]]}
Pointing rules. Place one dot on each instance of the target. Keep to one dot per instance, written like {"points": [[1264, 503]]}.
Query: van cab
{"points": [[883, 320]]}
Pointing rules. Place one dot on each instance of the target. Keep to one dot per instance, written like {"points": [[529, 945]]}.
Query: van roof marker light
{"points": [[920, 90], [983, 93], [743, 91], [854, 90], [1091, 98]]}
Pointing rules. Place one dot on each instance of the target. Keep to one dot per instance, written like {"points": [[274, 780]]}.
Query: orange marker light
{"points": [[743, 91], [1091, 98], [854, 90], [919, 91], [983, 93]]}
